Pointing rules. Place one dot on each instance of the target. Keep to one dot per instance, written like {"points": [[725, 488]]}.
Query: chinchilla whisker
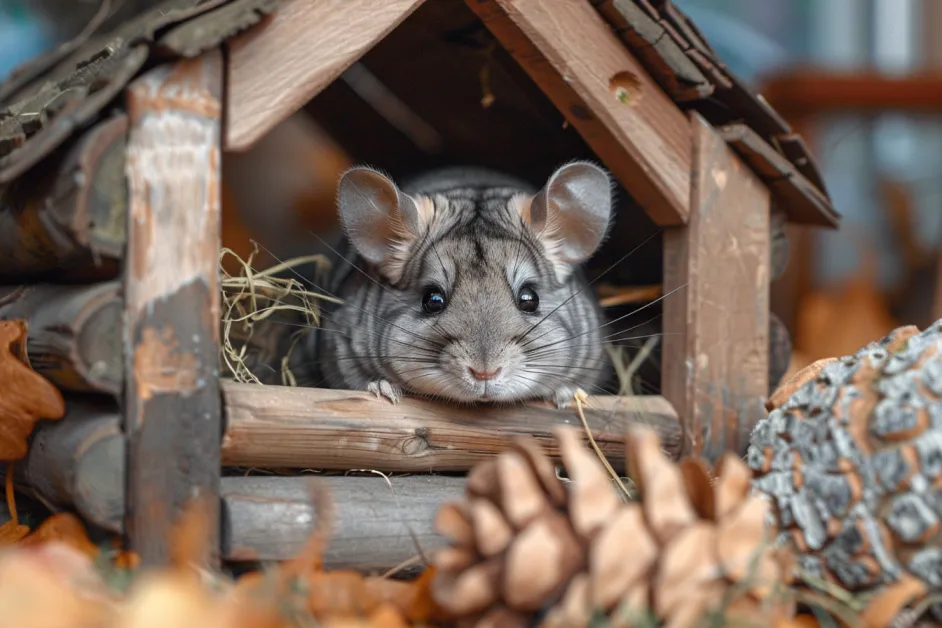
{"points": [[566, 366], [346, 335], [360, 309], [620, 318], [556, 377], [558, 342], [590, 283]]}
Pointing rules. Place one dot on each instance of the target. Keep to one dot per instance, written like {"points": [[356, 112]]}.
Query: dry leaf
{"points": [[12, 532], [64, 527], [25, 396], [886, 605], [51, 586]]}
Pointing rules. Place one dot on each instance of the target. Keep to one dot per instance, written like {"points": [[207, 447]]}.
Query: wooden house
{"points": [[110, 153]]}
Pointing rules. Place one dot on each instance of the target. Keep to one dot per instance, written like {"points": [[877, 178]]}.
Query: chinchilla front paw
{"points": [[563, 397], [382, 388]]}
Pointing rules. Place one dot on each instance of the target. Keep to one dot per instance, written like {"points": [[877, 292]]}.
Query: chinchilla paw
{"points": [[563, 397], [383, 389]]}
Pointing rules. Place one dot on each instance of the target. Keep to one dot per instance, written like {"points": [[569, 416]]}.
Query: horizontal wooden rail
{"points": [[79, 461], [274, 426]]}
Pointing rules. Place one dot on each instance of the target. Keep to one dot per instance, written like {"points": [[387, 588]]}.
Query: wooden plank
{"points": [[715, 356], [800, 199], [605, 93], [70, 212], [172, 404], [275, 69], [74, 333], [377, 524], [340, 429]]}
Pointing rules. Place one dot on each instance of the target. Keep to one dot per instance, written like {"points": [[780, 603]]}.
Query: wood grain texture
{"points": [[270, 518], [79, 462], [574, 56], [172, 404], [275, 69], [338, 429], [716, 329], [69, 213], [74, 337]]}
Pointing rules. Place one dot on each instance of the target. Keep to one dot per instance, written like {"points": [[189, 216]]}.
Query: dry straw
{"points": [[254, 296]]}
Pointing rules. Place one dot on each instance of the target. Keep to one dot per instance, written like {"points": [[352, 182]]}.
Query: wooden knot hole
{"points": [[417, 444], [626, 86]]}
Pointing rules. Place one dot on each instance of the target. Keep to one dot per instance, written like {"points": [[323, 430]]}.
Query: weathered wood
{"points": [[71, 213], [715, 369], [79, 461], [339, 429], [276, 426], [375, 520], [605, 93], [172, 403], [802, 200], [74, 333], [275, 69]]}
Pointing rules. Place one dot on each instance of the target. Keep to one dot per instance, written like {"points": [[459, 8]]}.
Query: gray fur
{"points": [[481, 249]]}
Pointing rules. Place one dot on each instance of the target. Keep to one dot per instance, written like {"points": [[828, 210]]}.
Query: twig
{"points": [[580, 398]]}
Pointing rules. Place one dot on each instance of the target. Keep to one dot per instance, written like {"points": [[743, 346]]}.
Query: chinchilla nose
{"points": [[484, 375]]}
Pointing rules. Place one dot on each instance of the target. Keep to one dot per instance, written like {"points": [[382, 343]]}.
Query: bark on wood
{"points": [[74, 333], [275, 69], [172, 402], [338, 429], [716, 329], [71, 212], [605, 93], [376, 524]]}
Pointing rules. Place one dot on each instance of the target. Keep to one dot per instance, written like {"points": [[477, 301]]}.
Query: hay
{"points": [[252, 297]]}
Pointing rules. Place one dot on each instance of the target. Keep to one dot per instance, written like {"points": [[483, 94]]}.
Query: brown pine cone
{"points": [[530, 549], [851, 454]]}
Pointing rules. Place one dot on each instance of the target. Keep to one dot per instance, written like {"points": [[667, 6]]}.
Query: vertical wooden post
{"points": [[716, 329], [172, 404]]}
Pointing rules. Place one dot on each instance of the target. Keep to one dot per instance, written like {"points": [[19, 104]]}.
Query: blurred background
{"points": [[859, 79]]}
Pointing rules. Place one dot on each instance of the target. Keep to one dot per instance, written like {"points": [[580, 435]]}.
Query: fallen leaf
{"points": [[12, 532], [25, 396], [64, 527], [886, 605]]}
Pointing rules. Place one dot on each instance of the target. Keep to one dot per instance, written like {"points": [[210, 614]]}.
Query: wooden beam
{"points": [[275, 426], [74, 337], [172, 403], [273, 70], [331, 430], [378, 523], [804, 91], [716, 329], [605, 93]]}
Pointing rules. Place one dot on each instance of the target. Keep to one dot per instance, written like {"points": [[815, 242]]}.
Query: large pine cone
{"points": [[851, 454], [530, 549]]}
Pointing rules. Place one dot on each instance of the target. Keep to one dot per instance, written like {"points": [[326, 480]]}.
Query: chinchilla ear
{"points": [[378, 218], [572, 211]]}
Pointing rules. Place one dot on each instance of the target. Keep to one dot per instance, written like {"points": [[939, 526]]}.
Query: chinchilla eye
{"points": [[433, 301], [528, 300]]}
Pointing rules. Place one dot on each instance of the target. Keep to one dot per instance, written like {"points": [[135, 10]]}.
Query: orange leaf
{"points": [[25, 396], [64, 527], [11, 532], [885, 606]]}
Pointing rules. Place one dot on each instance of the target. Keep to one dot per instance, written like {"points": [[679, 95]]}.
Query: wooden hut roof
{"points": [[44, 102]]}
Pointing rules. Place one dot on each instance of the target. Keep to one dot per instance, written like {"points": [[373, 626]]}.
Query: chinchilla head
{"points": [[481, 298]]}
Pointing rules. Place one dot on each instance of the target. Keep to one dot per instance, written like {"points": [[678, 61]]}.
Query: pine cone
{"points": [[529, 549], [851, 454]]}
